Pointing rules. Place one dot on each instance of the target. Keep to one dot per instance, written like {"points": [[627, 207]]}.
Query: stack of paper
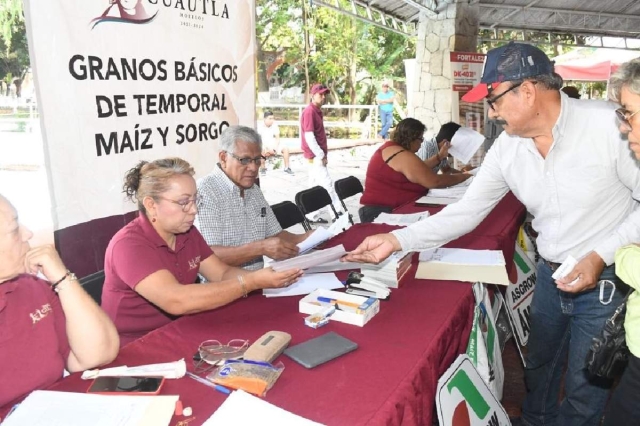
{"points": [[487, 266], [445, 195], [391, 271], [47, 408], [305, 285], [313, 258], [400, 219], [320, 235]]}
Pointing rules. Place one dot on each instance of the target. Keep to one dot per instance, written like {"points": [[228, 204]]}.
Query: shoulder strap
{"points": [[394, 154]]}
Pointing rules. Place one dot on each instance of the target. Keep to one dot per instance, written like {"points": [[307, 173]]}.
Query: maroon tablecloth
{"points": [[390, 379]]}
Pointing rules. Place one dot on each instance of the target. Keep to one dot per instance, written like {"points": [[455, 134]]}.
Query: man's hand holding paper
{"points": [[587, 271], [277, 248]]}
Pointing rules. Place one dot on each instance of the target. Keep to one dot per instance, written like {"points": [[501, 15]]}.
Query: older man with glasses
{"points": [[565, 160], [234, 218]]}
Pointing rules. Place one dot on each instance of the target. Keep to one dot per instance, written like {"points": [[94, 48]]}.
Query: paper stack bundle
{"points": [[391, 271]]}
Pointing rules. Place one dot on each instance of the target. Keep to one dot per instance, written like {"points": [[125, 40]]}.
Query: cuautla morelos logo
{"points": [[145, 11], [463, 399], [126, 11]]}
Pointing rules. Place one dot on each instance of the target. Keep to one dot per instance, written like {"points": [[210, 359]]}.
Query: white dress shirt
{"points": [[582, 196]]}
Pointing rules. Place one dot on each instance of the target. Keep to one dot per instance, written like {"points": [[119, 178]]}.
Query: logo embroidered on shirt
{"points": [[40, 313], [194, 263]]}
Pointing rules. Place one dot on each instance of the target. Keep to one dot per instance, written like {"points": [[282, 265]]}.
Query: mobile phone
{"points": [[128, 385]]}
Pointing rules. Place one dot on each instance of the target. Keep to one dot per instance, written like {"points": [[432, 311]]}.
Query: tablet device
{"points": [[320, 349]]}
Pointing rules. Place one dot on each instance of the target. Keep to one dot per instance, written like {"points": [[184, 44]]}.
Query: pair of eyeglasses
{"points": [[245, 161], [624, 116], [187, 203], [492, 101], [213, 352]]}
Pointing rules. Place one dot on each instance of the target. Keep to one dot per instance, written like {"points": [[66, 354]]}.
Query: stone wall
{"points": [[454, 29]]}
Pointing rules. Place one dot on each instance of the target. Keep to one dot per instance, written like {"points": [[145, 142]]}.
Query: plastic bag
{"points": [[251, 376]]}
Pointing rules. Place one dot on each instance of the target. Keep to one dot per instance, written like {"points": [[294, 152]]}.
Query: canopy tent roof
{"points": [[614, 18], [591, 64]]}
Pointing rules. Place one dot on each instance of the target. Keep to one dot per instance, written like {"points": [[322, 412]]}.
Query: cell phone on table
{"points": [[127, 385]]}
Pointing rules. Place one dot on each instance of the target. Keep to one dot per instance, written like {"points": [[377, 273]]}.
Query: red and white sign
{"points": [[466, 69]]}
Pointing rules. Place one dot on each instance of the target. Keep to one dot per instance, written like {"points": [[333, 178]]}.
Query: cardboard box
{"points": [[306, 306]]}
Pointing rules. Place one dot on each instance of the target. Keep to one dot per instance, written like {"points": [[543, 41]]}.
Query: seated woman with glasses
{"points": [[396, 175], [152, 263]]}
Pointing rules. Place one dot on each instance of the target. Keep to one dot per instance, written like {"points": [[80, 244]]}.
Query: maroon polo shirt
{"points": [[134, 253], [33, 340], [311, 121]]}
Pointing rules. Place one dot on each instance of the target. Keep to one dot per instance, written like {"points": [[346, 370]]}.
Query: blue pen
{"points": [[222, 389], [206, 382]]}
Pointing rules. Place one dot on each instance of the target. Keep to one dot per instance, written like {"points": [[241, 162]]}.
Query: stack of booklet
{"points": [[391, 271]]}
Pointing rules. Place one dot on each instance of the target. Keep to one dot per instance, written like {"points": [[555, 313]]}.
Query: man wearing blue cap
{"points": [[565, 160]]}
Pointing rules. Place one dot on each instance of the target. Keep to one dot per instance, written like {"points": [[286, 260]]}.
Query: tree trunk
{"points": [[307, 50], [263, 82]]}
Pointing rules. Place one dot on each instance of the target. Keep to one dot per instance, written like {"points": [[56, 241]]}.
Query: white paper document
{"points": [[241, 408], [463, 256], [465, 143], [305, 285], [400, 219], [487, 266], [313, 258], [49, 408], [333, 266], [319, 236], [168, 370], [440, 201]]}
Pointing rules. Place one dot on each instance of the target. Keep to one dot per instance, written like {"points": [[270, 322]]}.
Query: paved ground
{"points": [[279, 186]]}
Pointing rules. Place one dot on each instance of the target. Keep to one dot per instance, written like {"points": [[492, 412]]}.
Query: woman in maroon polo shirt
{"points": [[396, 175], [46, 325], [152, 263]]}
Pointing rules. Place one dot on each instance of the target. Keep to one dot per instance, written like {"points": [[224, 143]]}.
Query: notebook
{"points": [[320, 349]]}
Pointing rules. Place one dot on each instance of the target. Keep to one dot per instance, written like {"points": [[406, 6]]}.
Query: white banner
{"points": [[120, 81]]}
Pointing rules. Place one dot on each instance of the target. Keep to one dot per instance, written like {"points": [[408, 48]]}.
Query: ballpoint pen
{"points": [[206, 382]]}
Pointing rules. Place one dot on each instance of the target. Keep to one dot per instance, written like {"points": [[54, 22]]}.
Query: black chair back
{"points": [[348, 187], [288, 214], [311, 200], [92, 284]]}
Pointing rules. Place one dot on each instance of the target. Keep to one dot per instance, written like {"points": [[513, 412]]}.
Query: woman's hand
{"points": [[268, 278], [45, 259]]}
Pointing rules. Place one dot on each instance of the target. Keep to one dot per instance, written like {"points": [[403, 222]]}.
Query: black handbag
{"points": [[608, 355]]}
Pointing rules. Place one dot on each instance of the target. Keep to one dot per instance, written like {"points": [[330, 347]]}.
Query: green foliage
{"points": [[348, 55], [10, 17], [14, 58]]}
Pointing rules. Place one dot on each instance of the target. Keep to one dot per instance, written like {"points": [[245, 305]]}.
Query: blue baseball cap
{"points": [[511, 62]]}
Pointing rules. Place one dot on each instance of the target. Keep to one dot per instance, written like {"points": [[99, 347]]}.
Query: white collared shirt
{"points": [[581, 196]]}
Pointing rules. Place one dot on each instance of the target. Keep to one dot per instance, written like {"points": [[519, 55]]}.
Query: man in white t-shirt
{"points": [[270, 133]]}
